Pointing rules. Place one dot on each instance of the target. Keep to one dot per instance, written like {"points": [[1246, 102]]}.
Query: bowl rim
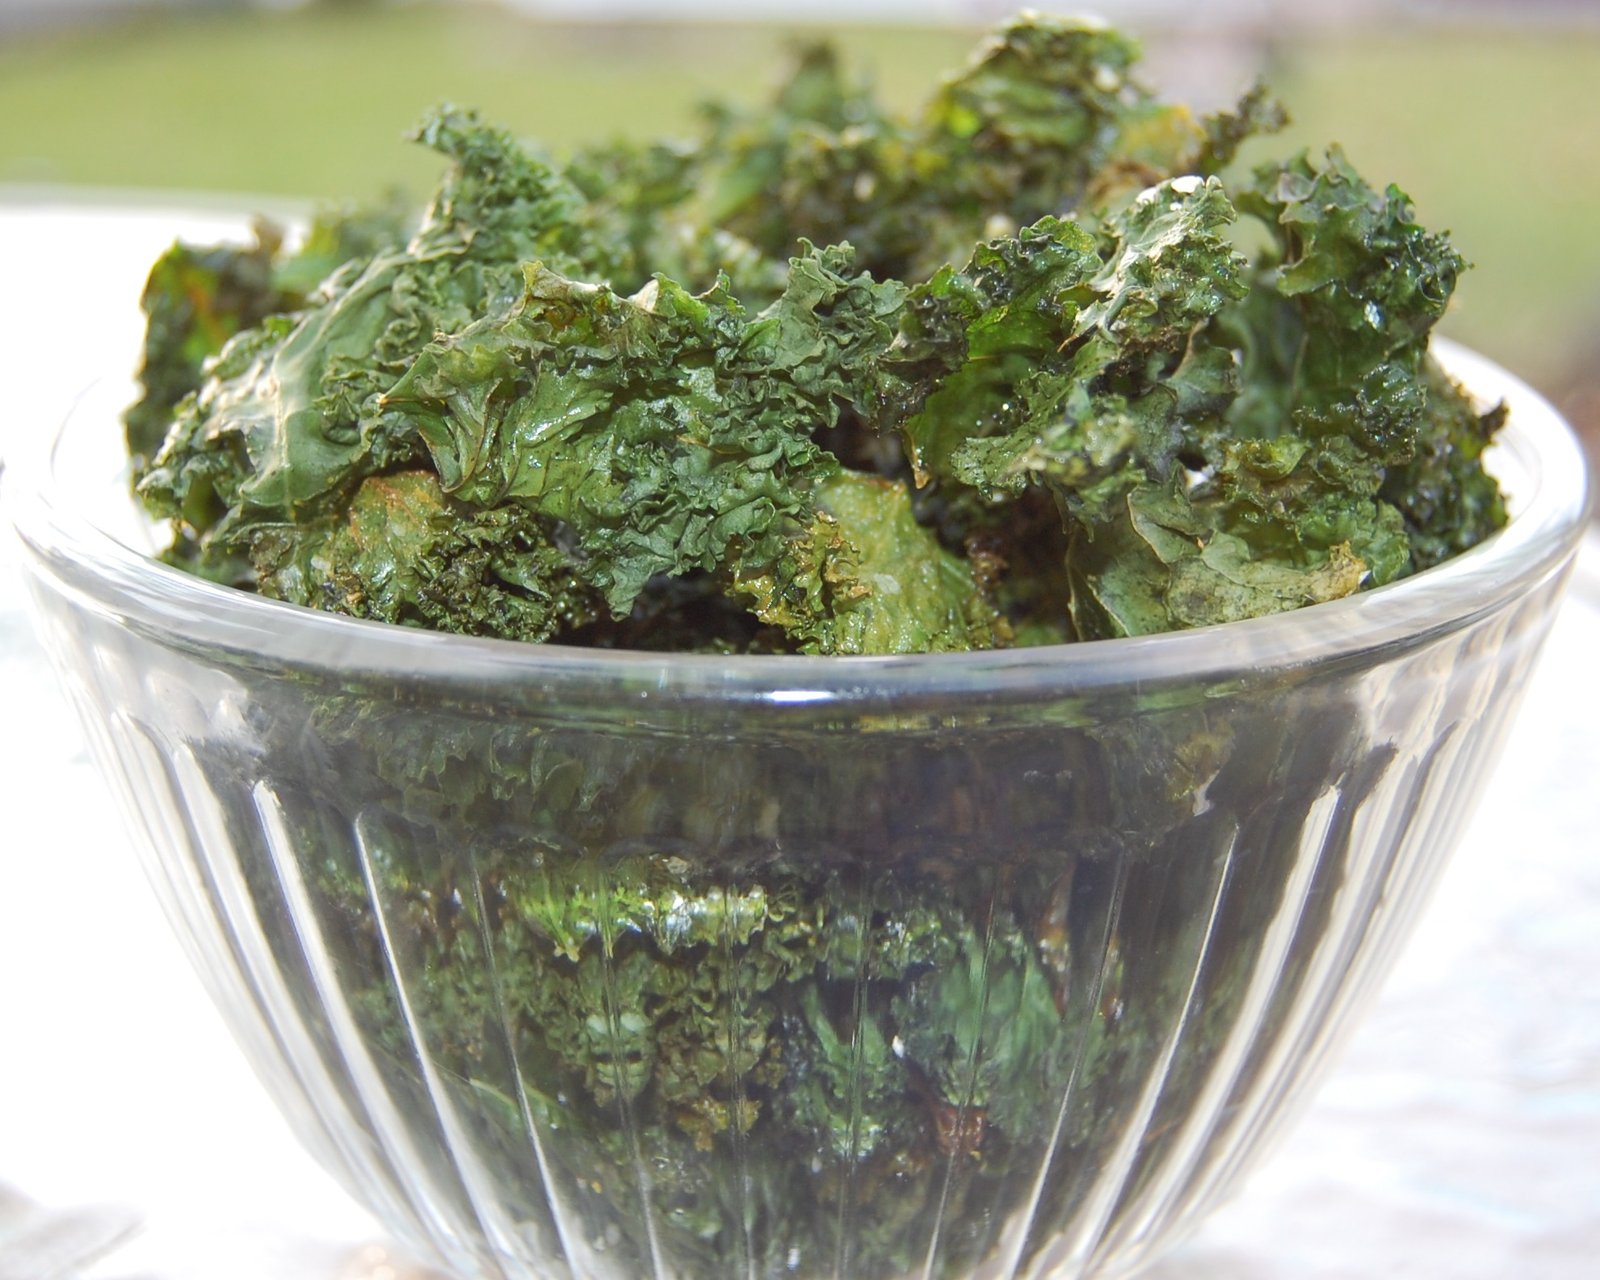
{"points": [[70, 552]]}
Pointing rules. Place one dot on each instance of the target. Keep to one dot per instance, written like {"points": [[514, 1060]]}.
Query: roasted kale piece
{"points": [[196, 299], [830, 369]]}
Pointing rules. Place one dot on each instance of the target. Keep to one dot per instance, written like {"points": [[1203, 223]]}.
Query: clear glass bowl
{"points": [[606, 965]]}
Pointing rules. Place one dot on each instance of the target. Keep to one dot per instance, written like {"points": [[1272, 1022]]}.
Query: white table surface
{"points": [[1457, 1137]]}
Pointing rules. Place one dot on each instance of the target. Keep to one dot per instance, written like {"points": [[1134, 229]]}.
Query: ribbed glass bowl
{"points": [[615, 965]]}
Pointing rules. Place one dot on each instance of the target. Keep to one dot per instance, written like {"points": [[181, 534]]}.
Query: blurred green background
{"points": [[1488, 122]]}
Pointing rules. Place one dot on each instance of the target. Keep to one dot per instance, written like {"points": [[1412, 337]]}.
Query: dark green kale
{"points": [[194, 301], [404, 551], [826, 379], [197, 299]]}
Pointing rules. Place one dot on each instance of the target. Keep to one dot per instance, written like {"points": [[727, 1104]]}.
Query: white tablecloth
{"points": [[1458, 1137]]}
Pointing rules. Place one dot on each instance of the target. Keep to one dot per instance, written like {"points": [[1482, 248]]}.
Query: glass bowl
{"points": [[603, 965]]}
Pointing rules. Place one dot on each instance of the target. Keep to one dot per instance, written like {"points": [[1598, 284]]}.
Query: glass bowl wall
{"points": [[599, 965]]}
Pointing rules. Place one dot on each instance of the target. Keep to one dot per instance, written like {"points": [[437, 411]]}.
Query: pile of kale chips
{"points": [[818, 999], [1020, 369]]}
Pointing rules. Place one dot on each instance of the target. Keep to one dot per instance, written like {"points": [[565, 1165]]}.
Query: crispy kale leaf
{"points": [[196, 299], [669, 432], [292, 418], [403, 551], [863, 576], [1044, 119], [1226, 441]]}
